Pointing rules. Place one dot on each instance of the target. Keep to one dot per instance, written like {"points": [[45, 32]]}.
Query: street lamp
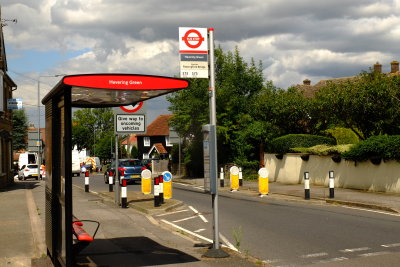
{"points": [[39, 143]]}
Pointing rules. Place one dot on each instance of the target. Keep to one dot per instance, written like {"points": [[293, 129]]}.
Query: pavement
{"points": [[131, 237]]}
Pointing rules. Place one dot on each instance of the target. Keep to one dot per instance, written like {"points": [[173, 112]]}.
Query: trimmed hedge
{"points": [[386, 147], [324, 150], [343, 135], [284, 144]]}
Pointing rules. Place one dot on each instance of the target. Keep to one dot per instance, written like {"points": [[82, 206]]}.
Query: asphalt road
{"points": [[286, 233]]}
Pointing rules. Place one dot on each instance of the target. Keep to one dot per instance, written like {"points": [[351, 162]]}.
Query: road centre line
{"points": [[198, 187], [391, 245], [349, 250], [315, 255], [199, 230], [172, 212], [333, 260], [185, 219], [182, 184], [374, 254], [198, 213]]}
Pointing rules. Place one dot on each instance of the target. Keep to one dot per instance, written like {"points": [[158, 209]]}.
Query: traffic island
{"points": [[145, 203]]}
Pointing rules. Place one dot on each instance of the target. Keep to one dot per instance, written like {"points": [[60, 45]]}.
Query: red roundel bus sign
{"points": [[193, 38], [132, 108]]}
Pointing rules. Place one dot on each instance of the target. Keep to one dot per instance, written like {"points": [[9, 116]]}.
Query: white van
{"points": [[76, 163], [27, 158]]}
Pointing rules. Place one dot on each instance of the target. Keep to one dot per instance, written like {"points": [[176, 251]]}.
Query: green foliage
{"points": [[284, 144], [134, 152], [93, 129], [19, 130], [343, 135], [324, 150], [367, 104], [386, 147]]}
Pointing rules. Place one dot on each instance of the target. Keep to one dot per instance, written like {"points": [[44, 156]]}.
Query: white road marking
{"points": [[374, 254], [172, 212], [315, 255], [187, 231], [333, 260], [226, 241], [199, 230], [185, 219], [375, 211], [391, 245], [182, 184], [198, 213], [349, 250], [199, 187]]}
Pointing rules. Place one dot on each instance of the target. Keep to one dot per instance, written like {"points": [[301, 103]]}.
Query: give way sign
{"points": [[132, 108]]}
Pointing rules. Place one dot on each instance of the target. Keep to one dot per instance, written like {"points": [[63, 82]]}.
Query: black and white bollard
{"points": [[87, 181], [306, 185], [161, 184], [221, 178], [110, 181], [124, 202], [156, 192], [240, 177], [331, 184]]}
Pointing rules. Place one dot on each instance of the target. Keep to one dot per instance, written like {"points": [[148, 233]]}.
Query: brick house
{"points": [[155, 143]]}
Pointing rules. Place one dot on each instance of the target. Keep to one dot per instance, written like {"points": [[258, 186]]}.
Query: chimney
{"points": [[306, 82], [394, 66], [378, 67]]}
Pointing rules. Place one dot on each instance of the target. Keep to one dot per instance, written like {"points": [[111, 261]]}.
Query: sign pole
{"points": [[216, 251], [116, 180]]}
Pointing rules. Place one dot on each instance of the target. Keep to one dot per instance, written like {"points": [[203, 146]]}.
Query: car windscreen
{"points": [[130, 163]]}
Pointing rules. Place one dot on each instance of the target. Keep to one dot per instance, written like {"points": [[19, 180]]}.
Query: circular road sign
{"points": [[234, 170], [167, 176], [194, 40], [132, 108], [263, 172], [146, 174]]}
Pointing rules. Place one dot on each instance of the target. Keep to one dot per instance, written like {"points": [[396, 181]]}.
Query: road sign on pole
{"points": [[193, 49]]}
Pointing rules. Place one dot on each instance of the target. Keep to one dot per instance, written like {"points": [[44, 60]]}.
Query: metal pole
{"points": [[215, 252], [39, 159], [117, 186]]}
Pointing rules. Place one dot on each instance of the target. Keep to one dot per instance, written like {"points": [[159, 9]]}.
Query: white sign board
{"points": [[129, 123], [193, 49], [14, 103]]}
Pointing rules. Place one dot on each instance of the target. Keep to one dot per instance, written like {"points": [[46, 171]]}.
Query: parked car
{"points": [[132, 169], [28, 171], [148, 163]]}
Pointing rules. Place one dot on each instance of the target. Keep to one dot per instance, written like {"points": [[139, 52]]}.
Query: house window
{"points": [[167, 143], [146, 141]]}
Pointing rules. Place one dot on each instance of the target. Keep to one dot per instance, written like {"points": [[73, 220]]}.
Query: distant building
{"points": [[7, 86], [156, 142]]}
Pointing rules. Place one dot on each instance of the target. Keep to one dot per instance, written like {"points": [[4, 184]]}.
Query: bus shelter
{"points": [[85, 91]]}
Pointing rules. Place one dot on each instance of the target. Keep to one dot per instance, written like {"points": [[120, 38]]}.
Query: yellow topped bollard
{"points": [[234, 177], [167, 177], [263, 182], [146, 182]]}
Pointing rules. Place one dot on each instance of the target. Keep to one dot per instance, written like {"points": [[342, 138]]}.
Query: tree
{"points": [[367, 104], [19, 131], [237, 85], [92, 129]]}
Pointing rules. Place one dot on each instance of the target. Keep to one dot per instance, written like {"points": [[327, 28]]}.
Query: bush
{"points": [[324, 150], [286, 143], [343, 135], [386, 147]]}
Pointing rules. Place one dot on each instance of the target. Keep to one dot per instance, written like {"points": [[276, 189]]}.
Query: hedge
{"points": [[343, 135], [386, 147], [286, 143]]}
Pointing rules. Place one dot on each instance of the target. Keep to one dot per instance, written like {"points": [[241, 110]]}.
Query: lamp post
{"points": [[39, 143]]}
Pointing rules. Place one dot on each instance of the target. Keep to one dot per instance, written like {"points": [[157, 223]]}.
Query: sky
{"points": [[294, 39]]}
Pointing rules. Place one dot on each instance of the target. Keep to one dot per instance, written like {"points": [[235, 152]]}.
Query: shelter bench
{"points": [[83, 239]]}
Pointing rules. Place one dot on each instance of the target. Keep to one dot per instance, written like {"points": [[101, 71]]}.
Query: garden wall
{"points": [[384, 177]]}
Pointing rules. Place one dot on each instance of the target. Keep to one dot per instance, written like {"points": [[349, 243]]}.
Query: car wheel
{"points": [[23, 177], [19, 178], [105, 178]]}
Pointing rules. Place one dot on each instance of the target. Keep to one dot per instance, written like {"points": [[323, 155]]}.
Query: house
{"points": [[310, 90], [129, 142], [7, 86], [155, 143]]}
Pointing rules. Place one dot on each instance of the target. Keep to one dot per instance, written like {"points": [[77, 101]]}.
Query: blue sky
{"points": [[294, 39]]}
